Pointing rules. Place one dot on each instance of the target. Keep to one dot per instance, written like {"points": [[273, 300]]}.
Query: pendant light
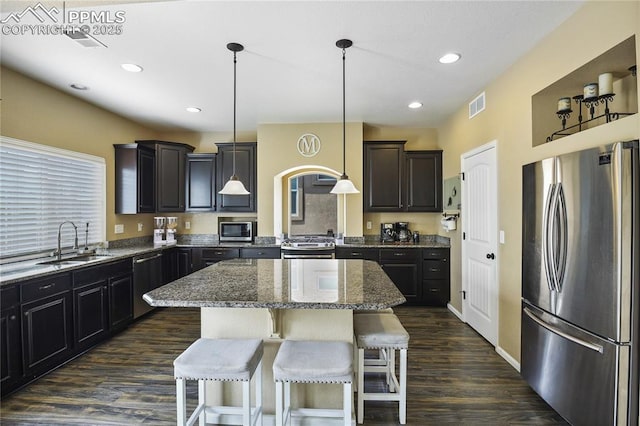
{"points": [[344, 185], [234, 186]]}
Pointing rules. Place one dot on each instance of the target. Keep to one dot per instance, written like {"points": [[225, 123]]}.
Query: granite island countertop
{"points": [[282, 284]]}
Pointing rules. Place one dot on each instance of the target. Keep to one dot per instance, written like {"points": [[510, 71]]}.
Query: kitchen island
{"points": [[274, 299]]}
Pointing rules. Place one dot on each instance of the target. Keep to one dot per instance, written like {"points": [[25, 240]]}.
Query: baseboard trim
{"points": [[511, 360], [455, 312], [504, 354]]}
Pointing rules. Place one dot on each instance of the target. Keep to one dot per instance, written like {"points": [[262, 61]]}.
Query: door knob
{"points": [[491, 256]]}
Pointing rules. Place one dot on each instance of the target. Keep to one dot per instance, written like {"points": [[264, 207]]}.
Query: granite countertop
{"points": [[19, 271], [282, 284]]}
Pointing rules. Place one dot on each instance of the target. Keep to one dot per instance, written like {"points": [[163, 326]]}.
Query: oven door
{"points": [[307, 253]]}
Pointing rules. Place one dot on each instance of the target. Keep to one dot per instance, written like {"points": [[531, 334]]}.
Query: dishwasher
{"points": [[147, 275]]}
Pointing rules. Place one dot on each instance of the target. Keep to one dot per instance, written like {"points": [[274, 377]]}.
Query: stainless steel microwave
{"points": [[237, 231]]}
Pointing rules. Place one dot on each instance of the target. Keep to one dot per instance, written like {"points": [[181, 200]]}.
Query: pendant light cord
{"points": [[234, 113], [344, 132]]}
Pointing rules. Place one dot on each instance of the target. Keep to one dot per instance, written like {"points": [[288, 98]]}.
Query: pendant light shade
{"points": [[234, 186], [344, 185]]}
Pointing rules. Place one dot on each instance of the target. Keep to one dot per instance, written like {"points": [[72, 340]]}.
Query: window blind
{"points": [[41, 187]]}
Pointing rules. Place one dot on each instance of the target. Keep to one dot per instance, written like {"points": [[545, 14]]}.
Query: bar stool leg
{"points": [[202, 401], [346, 403], [360, 413], [403, 386], [258, 380], [181, 406], [279, 404]]}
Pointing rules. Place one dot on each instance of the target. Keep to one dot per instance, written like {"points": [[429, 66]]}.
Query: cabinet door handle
{"points": [[12, 317]]}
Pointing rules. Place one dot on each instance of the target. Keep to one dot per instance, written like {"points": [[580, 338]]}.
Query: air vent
{"points": [[82, 38], [476, 106]]}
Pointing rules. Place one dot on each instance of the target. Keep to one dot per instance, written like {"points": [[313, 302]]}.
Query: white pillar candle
{"points": [[590, 90], [564, 104], [605, 83]]}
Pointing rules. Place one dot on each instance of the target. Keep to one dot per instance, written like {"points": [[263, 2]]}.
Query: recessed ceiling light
{"points": [[193, 109], [78, 86], [131, 67], [449, 58], [414, 105]]}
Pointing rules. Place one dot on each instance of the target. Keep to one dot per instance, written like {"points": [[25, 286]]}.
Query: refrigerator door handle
{"points": [[555, 330], [560, 250], [547, 257]]}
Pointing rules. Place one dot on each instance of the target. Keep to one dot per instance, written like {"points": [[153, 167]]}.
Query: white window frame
{"points": [[67, 241]]}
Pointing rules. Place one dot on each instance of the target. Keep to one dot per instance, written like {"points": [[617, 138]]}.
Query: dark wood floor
{"points": [[455, 377]]}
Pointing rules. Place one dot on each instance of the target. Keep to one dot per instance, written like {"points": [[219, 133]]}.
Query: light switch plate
{"points": [[119, 229], [140, 226], [501, 237], [368, 224], [187, 225]]}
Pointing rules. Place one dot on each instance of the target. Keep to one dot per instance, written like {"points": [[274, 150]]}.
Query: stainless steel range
{"points": [[308, 247]]}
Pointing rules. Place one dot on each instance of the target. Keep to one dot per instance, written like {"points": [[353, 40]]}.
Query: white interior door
{"points": [[479, 242]]}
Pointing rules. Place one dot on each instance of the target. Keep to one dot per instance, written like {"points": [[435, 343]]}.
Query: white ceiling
{"points": [[290, 70]]}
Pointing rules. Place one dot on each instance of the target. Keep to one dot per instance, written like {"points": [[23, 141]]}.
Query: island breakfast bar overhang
{"points": [[278, 299]]}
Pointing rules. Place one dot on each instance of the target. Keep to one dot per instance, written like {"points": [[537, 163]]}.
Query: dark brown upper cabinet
{"points": [[423, 181], [396, 180], [150, 177], [246, 171], [383, 171], [201, 182], [135, 173]]}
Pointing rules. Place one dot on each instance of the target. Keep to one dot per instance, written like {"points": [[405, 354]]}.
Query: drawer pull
{"points": [[46, 287], [434, 270], [399, 254]]}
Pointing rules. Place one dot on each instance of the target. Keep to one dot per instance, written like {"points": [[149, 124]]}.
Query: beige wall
{"points": [[277, 153], [507, 119], [34, 112]]}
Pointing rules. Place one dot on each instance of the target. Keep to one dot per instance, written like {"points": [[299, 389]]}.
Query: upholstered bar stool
{"points": [[312, 362], [382, 332], [220, 360]]}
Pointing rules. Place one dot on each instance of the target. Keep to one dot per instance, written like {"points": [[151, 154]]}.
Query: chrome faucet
{"points": [[75, 244]]}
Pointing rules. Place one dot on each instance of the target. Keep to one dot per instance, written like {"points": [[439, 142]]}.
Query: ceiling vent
{"points": [[82, 38], [476, 106]]}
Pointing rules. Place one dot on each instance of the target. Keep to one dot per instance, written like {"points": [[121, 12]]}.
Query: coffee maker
{"points": [[387, 232], [403, 233]]}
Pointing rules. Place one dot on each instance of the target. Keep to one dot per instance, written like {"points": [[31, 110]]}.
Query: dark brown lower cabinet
{"points": [[91, 307], [10, 348], [421, 275], [120, 300], [403, 267], [47, 323], [436, 276]]}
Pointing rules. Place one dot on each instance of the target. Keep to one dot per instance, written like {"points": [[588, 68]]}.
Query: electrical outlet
{"points": [[187, 225], [119, 229], [140, 226], [501, 237], [368, 224]]}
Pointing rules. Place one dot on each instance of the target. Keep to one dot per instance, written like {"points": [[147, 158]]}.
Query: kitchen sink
{"points": [[76, 260]]}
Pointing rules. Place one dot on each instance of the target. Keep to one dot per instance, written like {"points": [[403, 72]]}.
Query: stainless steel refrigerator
{"points": [[580, 283]]}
